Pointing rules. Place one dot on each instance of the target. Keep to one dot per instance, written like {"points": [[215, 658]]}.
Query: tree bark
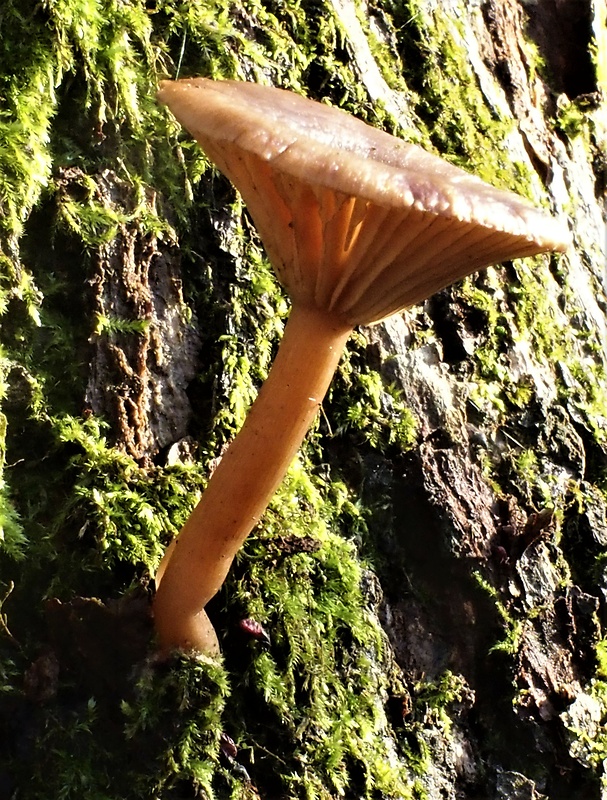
{"points": [[421, 612]]}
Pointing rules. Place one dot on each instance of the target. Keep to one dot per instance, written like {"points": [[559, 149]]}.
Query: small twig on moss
{"points": [[265, 750]]}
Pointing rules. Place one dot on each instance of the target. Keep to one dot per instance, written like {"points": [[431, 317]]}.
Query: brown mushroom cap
{"points": [[354, 220]]}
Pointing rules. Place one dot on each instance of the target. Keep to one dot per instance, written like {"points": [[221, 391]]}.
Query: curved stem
{"points": [[246, 478]]}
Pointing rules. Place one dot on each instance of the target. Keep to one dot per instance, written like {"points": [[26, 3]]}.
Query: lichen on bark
{"points": [[434, 631]]}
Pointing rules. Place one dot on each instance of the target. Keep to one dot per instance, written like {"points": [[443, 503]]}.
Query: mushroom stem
{"points": [[247, 476]]}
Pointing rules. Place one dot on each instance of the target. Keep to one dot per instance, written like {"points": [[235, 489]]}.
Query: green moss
{"points": [[526, 312], [585, 720], [434, 699], [374, 411], [324, 680], [448, 99], [513, 627], [12, 538], [571, 119], [308, 713], [164, 736]]}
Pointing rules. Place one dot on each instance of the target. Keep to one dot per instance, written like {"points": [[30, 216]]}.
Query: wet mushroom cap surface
{"points": [[354, 220]]}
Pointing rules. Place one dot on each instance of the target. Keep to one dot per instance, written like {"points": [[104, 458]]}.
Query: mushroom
{"points": [[357, 225]]}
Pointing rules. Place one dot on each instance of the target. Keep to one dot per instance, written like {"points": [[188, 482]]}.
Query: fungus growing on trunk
{"points": [[358, 225]]}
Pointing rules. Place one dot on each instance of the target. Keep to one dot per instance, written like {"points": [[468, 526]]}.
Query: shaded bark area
{"points": [[455, 538], [145, 346]]}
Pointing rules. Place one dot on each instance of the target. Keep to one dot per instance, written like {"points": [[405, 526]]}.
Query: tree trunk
{"points": [[429, 583]]}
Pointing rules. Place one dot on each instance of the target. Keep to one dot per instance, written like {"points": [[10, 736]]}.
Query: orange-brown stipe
{"points": [[358, 225]]}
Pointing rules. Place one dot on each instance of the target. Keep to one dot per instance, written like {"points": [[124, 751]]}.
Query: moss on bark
{"points": [[96, 181]]}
